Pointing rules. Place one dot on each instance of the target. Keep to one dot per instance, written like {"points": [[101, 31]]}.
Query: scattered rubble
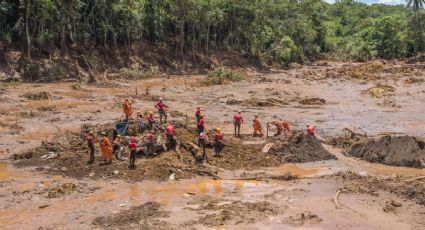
{"points": [[144, 216], [302, 218], [235, 212]]}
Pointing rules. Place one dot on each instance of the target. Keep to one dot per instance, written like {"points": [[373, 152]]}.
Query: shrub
{"points": [[222, 75]]}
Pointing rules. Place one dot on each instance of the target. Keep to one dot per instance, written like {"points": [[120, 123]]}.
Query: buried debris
{"points": [[63, 189], [391, 206], [303, 218], [145, 216], [392, 150], [379, 90], [50, 155], [234, 212], [312, 101]]}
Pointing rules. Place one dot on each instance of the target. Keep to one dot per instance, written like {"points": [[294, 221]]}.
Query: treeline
{"points": [[278, 31]]}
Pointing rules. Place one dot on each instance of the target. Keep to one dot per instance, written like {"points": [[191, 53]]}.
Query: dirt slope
{"points": [[392, 150]]}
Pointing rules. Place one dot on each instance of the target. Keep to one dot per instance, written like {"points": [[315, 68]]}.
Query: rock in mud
{"points": [[300, 147], [391, 206], [405, 151], [63, 189]]}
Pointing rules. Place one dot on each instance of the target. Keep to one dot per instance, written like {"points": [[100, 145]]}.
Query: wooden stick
{"points": [[267, 132], [415, 178], [336, 198]]}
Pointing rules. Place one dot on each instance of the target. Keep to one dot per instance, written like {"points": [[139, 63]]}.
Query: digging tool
{"points": [[267, 130]]}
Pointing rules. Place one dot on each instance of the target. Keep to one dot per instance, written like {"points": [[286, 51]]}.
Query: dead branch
{"points": [[415, 178], [336, 198]]}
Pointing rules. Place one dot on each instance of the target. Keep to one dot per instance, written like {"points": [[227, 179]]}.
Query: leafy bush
{"points": [[222, 75]]}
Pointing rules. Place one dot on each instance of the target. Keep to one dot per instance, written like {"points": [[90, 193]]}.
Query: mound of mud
{"points": [[300, 147], [70, 152], [144, 216], [392, 150]]}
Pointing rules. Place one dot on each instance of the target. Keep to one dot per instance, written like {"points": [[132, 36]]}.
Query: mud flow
{"points": [[362, 169]]}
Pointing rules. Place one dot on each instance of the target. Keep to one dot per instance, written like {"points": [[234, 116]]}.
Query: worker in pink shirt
{"points": [[160, 105], [149, 144], [201, 124], [171, 142], [218, 141], [198, 113], [310, 130], [237, 121], [133, 151]]}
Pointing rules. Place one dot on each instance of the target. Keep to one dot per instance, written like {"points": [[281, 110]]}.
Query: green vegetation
{"points": [[277, 31], [222, 75]]}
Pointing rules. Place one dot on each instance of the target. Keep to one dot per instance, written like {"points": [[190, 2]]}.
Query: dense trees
{"points": [[276, 30]]}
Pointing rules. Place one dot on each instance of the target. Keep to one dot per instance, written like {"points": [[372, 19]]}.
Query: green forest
{"points": [[280, 31]]}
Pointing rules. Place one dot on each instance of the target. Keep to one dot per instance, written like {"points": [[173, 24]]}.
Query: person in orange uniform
{"points": [[237, 122], [286, 127], [256, 124], [106, 148], [279, 127], [218, 141], [151, 121], [127, 109]]}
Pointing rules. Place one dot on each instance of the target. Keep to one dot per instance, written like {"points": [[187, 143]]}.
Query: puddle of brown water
{"points": [[7, 172], [298, 170]]}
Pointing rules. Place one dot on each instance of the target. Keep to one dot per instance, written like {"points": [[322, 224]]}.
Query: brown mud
{"points": [[221, 193], [392, 150], [404, 188], [300, 147], [144, 216]]}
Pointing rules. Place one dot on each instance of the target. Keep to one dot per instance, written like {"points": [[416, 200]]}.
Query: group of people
{"points": [[108, 149]]}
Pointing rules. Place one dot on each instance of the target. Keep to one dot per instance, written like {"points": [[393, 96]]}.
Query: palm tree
{"points": [[417, 5]]}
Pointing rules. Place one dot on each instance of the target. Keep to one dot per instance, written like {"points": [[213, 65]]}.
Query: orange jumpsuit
{"points": [[279, 127], [286, 126], [257, 127], [106, 147], [127, 109]]}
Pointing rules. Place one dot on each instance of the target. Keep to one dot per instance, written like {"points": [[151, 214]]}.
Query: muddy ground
{"points": [[244, 189]]}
